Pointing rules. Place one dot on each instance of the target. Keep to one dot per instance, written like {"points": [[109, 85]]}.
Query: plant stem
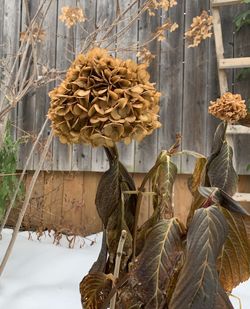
{"points": [[25, 204], [21, 178], [118, 263], [138, 204]]}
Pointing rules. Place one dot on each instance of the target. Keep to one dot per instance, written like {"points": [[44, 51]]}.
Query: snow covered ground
{"points": [[40, 275]]}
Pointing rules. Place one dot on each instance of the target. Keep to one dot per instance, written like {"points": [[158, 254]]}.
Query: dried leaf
{"points": [[234, 261], [221, 172], [198, 283], [162, 185], [156, 266], [94, 289]]}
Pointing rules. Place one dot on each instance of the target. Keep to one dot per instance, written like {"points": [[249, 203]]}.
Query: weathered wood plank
{"points": [[10, 17], [194, 119], [234, 63], [65, 53], [105, 14], [126, 41], [242, 141], [81, 159], [171, 81], [218, 3], [146, 151]]}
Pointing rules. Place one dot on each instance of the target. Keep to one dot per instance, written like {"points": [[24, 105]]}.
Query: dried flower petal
{"points": [[104, 100], [230, 107], [71, 16], [200, 29]]}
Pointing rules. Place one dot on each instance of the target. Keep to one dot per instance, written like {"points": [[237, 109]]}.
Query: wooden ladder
{"points": [[228, 63]]}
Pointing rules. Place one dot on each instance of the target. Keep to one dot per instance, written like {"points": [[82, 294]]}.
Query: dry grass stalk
{"points": [[25, 205]]}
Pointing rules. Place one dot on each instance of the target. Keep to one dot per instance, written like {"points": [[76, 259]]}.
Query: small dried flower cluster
{"points": [[38, 35], [160, 4], [230, 107], [145, 55], [167, 26], [200, 29], [104, 100], [71, 16]]}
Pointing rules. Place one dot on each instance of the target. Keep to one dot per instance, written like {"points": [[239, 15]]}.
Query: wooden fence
{"points": [[186, 77], [65, 202]]}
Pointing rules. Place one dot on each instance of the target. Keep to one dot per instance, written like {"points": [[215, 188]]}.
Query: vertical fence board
{"points": [[82, 153], [125, 41], [171, 81], [65, 53], [242, 49], [10, 15], [146, 151], [105, 14], [195, 92]]}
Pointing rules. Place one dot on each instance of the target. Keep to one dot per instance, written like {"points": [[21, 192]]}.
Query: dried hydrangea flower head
{"points": [[200, 29], [71, 16], [230, 107], [104, 100], [160, 4]]}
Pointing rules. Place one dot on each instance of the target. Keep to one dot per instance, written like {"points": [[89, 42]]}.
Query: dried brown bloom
{"points": [[145, 55], [104, 100], [71, 16], [37, 34], [230, 107], [167, 26], [200, 29], [160, 4]]}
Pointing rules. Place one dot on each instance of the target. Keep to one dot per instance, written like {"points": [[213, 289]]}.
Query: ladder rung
{"points": [[237, 129], [225, 2], [234, 63], [242, 197]]}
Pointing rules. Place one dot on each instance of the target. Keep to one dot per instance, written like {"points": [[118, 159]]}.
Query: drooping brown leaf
{"points": [[157, 265], [162, 185], [198, 283], [196, 179], [234, 261], [221, 172], [108, 195], [219, 197], [100, 264], [194, 182], [94, 289]]}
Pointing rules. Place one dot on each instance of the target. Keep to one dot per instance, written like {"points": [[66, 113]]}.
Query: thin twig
{"points": [[25, 204], [118, 263]]}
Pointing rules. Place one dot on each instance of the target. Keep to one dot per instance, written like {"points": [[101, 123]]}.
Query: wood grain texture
{"points": [[242, 141], [171, 81], [194, 111], [124, 41], [147, 150], [48, 208], [186, 77]]}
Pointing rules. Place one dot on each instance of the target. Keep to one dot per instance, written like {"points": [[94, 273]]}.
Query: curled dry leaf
{"points": [[104, 100], [94, 289], [156, 268], [198, 283], [234, 261]]}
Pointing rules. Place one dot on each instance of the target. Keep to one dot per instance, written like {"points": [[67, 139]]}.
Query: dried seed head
{"points": [[71, 16], [200, 29], [104, 100], [230, 107]]}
